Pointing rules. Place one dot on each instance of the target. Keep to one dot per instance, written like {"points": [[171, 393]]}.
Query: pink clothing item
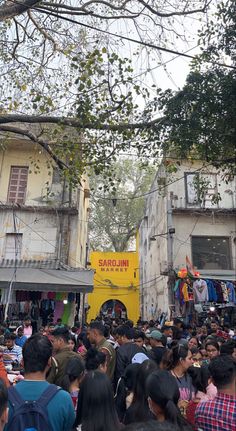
{"points": [[211, 393], [28, 331]]}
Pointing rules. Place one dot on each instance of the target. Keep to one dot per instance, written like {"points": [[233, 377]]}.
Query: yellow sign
{"points": [[116, 285]]}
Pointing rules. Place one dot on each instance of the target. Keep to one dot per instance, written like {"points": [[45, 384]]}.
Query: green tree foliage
{"points": [[114, 221], [200, 120]]}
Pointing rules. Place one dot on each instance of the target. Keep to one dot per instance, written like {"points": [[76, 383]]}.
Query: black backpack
{"points": [[30, 415]]}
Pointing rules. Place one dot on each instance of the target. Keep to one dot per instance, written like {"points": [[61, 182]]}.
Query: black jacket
{"points": [[124, 355]]}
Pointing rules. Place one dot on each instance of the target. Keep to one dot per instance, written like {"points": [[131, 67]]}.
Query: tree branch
{"points": [[15, 7], [44, 144], [75, 122]]}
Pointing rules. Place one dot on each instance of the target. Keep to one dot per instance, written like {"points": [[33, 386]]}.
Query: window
{"points": [[17, 184], [201, 189], [211, 252], [13, 246], [191, 180]]}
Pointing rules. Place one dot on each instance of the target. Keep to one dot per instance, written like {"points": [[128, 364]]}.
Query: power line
{"points": [[151, 191], [129, 39]]}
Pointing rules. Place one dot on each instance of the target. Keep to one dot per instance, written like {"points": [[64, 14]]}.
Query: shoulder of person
{"points": [[63, 396]]}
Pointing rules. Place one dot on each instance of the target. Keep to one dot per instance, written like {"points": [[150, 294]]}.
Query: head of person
{"points": [[139, 337], [214, 327], [204, 330], [43, 330], [163, 397], [203, 352], [157, 338], [20, 331], [96, 409], [95, 331], [212, 349], [60, 338], [124, 334], [51, 328], [130, 376], [178, 323], [201, 378], [59, 322], [74, 372], [72, 343], [223, 372], [140, 398], [3, 405], [179, 356], [167, 331], [37, 353], [197, 357], [193, 342], [229, 348], [27, 321], [95, 360], [10, 340]]}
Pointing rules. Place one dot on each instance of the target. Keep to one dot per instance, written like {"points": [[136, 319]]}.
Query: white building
{"points": [[202, 210]]}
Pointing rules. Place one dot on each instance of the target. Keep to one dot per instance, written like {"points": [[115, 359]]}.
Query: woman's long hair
{"points": [[74, 370], [139, 406], [172, 357], [163, 390], [96, 409]]}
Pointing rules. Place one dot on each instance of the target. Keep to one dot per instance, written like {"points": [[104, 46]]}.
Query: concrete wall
{"points": [[188, 220], [41, 230]]}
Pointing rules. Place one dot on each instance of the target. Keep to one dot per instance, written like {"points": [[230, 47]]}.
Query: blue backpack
{"points": [[30, 415]]}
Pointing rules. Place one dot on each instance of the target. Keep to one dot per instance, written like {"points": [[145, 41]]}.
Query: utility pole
{"points": [[170, 255]]}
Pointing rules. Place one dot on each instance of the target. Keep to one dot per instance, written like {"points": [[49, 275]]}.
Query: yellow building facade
{"points": [[116, 285]]}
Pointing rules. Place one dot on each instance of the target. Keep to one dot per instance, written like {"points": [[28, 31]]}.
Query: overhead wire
{"points": [[122, 37]]}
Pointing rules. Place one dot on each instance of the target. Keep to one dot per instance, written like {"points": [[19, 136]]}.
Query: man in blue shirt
{"points": [[20, 337], [37, 352]]}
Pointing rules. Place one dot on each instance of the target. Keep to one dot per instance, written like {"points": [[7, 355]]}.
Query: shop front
{"points": [[43, 290], [116, 286]]}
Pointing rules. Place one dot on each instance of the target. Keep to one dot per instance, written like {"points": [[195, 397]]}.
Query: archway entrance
{"points": [[114, 308]]}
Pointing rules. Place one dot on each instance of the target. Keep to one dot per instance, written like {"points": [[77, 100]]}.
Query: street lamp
{"points": [[171, 231]]}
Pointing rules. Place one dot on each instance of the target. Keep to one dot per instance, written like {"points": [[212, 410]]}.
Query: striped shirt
{"points": [[15, 353]]}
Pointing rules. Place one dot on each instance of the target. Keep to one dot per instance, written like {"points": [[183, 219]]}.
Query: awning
{"points": [[224, 275], [47, 280]]}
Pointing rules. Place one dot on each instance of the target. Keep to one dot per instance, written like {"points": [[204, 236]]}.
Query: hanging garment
{"points": [[231, 292], [58, 312], [200, 291], [224, 291], [219, 292], [211, 291]]}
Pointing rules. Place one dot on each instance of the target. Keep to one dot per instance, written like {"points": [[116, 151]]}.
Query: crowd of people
{"points": [[113, 375]]}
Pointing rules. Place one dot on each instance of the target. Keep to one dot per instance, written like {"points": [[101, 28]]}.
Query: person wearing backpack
{"points": [[34, 404]]}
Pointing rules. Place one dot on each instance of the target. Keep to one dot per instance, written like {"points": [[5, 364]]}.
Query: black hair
{"points": [[96, 408], [139, 406], [163, 390], [98, 325], [223, 370], [171, 358], [129, 323], [62, 332], [138, 334], [212, 343], [125, 331], [107, 330], [125, 385], [3, 397], [10, 336], [200, 377], [94, 359], [36, 351], [73, 370], [151, 426], [72, 338], [228, 347]]}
